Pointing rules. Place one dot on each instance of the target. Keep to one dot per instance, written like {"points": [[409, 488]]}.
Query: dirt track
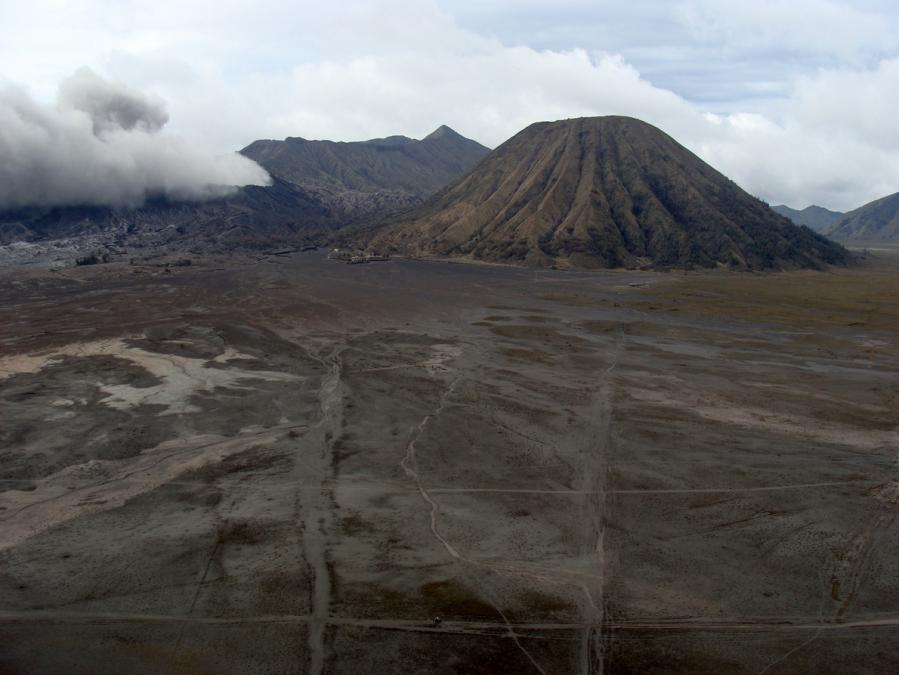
{"points": [[294, 466]]}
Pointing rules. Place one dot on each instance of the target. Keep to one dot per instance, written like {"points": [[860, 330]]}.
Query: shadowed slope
{"points": [[603, 192], [366, 181], [318, 186], [252, 217], [395, 163]]}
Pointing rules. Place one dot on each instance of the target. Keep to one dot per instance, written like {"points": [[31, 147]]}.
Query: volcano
{"points": [[602, 192]]}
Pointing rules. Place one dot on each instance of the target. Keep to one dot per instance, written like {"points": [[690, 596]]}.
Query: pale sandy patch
{"points": [[441, 354], [180, 376]]}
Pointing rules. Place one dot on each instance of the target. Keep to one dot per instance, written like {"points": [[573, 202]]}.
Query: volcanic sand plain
{"points": [[290, 465]]}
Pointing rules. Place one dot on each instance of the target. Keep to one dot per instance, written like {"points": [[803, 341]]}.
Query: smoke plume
{"points": [[104, 144]]}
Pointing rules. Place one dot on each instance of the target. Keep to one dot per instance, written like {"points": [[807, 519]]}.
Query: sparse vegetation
{"points": [[864, 295], [605, 192]]}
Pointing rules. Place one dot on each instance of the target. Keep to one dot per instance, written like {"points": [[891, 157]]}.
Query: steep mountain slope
{"points": [[602, 191], [816, 217], [252, 217], [877, 221], [364, 178]]}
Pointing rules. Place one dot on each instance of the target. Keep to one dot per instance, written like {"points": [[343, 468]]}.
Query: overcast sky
{"points": [[795, 100]]}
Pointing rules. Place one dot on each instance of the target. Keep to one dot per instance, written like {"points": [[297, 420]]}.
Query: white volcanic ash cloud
{"points": [[112, 106], [104, 144]]}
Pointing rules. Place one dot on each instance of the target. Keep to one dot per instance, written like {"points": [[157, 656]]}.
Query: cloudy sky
{"points": [[795, 100]]}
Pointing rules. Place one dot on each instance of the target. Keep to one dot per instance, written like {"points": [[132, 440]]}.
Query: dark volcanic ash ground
{"points": [[294, 466]]}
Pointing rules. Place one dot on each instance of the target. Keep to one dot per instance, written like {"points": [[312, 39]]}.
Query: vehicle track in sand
{"points": [[409, 464], [677, 625], [315, 456], [593, 472], [850, 570]]}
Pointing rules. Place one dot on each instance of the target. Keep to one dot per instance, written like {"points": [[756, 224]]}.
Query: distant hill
{"points": [[874, 222], [602, 192], [367, 178], [816, 217]]}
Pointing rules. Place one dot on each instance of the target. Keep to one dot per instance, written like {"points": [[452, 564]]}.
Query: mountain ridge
{"points": [[395, 163], [876, 221], [291, 209], [816, 217]]}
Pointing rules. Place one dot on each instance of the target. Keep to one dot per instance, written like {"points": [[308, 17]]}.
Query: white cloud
{"points": [[798, 26], [834, 141], [819, 129], [103, 145]]}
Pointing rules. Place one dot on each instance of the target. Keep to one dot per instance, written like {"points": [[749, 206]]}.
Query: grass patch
{"points": [[865, 296]]}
